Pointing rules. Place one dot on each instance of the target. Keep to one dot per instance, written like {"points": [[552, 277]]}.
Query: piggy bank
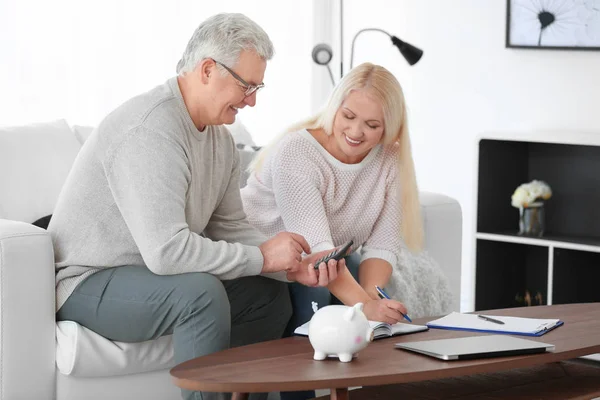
{"points": [[340, 331]]}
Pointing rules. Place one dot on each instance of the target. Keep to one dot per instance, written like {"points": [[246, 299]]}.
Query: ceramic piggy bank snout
{"points": [[340, 331]]}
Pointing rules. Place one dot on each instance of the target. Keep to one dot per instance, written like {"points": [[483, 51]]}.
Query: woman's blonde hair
{"points": [[387, 90]]}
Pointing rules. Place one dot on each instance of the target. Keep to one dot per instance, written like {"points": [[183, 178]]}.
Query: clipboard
{"points": [[511, 326]]}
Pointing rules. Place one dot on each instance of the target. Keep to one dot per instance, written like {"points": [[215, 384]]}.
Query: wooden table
{"points": [[576, 379], [287, 364]]}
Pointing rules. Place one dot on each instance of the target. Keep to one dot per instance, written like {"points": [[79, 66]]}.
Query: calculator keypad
{"points": [[326, 258]]}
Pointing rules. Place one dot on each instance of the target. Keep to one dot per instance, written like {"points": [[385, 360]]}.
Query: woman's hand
{"points": [[326, 273], [372, 292], [384, 310]]}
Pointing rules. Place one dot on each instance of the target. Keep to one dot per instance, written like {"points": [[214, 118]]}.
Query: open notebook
{"points": [[380, 329], [512, 325]]}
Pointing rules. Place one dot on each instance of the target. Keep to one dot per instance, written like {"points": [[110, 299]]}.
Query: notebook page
{"points": [[376, 324], [302, 329], [380, 329], [511, 324], [402, 328]]}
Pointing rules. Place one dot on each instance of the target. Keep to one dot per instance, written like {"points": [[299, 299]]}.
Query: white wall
{"points": [[468, 82], [80, 59]]}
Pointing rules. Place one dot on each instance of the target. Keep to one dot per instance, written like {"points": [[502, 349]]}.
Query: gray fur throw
{"points": [[420, 284]]}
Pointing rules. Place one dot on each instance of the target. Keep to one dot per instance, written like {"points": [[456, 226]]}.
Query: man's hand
{"points": [[309, 276], [283, 252], [384, 310]]}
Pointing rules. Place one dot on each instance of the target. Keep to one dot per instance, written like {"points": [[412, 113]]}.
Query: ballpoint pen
{"points": [[382, 294], [496, 321]]}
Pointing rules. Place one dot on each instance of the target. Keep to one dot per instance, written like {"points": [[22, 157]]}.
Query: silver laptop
{"points": [[468, 348]]}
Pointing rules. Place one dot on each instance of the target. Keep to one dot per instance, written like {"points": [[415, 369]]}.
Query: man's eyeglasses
{"points": [[249, 89]]}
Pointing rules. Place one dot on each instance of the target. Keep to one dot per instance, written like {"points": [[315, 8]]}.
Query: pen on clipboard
{"points": [[384, 295], [496, 321]]}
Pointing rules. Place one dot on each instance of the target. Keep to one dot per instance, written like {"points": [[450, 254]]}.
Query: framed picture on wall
{"points": [[553, 24]]}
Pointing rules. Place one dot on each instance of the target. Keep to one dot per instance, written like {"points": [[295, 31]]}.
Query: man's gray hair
{"points": [[222, 37]]}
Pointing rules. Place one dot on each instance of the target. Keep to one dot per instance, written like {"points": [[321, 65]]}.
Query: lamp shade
{"points": [[322, 54], [411, 53]]}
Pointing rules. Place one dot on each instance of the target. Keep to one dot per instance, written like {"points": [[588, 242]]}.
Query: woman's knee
{"points": [[307, 300], [352, 263], [301, 294]]}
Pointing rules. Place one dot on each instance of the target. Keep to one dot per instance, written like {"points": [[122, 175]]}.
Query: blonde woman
{"points": [[346, 173]]}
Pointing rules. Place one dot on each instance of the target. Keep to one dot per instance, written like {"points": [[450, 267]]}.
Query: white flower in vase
{"points": [[529, 199], [528, 194], [520, 197]]}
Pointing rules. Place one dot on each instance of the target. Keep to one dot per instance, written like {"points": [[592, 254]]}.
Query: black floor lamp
{"points": [[322, 53]]}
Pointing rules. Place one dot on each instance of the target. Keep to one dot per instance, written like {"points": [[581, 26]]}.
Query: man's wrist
{"points": [[256, 261]]}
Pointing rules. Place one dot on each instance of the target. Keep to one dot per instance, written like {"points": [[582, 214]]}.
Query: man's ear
{"points": [[205, 69]]}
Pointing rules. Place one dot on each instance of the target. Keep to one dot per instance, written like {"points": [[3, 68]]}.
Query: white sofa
{"points": [[40, 359]]}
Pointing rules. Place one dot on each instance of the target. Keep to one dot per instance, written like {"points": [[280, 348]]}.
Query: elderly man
{"points": [[149, 231]]}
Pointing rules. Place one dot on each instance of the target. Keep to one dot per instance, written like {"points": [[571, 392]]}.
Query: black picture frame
{"points": [[565, 12]]}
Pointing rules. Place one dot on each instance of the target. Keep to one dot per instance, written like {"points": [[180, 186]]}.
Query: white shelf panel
{"points": [[550, 287], [584, 244], [585, 138]]}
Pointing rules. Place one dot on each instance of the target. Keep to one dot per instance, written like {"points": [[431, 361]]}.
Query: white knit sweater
{"points": [[302, 188]]}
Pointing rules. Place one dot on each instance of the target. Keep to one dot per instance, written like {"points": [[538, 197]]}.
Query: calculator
{"points": [[336, 254]]}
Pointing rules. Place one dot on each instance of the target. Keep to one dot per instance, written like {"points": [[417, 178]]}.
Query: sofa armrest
{"points": [[27, 315], [442, 221]]}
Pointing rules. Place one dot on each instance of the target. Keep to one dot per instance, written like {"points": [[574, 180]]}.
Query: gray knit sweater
{"points": [[148, 188]]}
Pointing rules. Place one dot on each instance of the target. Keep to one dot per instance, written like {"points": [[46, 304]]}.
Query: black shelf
{"points": [[511, 269], [508, 264], [576, 277], [570, 170]]}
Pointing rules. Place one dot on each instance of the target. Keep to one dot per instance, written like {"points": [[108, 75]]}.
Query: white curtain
{"points": [[79, 59]]}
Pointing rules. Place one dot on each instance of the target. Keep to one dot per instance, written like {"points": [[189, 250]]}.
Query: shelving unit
{"points": [[561, 267]]}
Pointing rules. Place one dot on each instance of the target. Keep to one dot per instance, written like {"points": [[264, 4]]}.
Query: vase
{"points": [[531, 220]]}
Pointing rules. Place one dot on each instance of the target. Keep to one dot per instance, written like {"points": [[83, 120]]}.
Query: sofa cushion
{"points": [[34, 163], [82, 132], [240, 133], [83, 353], [247, 154]]}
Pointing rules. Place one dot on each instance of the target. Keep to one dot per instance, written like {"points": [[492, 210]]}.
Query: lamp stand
{"points": [[341, 39]]}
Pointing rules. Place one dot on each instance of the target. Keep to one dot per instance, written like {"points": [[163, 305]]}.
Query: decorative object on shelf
{"points": [[526, 300], [339, 331], [550, 24], [322, 53], [529, 199], [531, 220]]}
